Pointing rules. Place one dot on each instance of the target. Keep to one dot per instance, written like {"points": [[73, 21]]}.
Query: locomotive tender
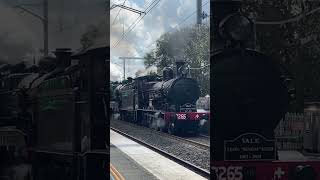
{"points": [[166, 104]]}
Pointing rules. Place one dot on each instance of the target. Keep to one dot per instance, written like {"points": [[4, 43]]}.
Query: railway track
{"points": [[202, 141], [205, 136], [186, 164]]}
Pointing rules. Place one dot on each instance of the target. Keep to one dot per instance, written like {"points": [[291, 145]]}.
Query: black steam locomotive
{"points": [[251, 95], [61, 109], [166, 104]]}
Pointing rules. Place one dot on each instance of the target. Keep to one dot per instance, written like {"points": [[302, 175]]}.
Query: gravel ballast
{"points": [[193, 154]]}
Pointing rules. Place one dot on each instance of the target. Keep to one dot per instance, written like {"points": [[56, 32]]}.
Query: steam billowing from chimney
{"points": [[179, 63]]}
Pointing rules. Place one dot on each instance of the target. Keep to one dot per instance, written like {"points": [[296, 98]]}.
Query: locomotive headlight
{"points": [[236, 27]]}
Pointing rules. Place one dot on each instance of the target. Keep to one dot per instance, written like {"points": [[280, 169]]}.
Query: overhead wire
{"points": [[133, 25], [118, 12], [181, 22], [137, 21], [290, 20]]}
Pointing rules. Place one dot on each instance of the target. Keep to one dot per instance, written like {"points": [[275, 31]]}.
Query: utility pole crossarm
{"points": [[127, 8], [135, 58], [45, 28], [124, 64], [30, 12], [131, 58]]}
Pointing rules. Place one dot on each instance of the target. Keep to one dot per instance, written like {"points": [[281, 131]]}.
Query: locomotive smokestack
{"points": [[180, 64], [167, 74], [63, 57]]}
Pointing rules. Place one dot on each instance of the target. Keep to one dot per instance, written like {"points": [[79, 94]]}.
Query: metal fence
{"points": [[289, 132]]}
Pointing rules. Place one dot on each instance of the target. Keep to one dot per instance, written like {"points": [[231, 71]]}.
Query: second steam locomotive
{"points": [[166, 103]]}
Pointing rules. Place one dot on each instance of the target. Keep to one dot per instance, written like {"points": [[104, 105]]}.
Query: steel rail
{"points": [[205, 136], [202, 145]]}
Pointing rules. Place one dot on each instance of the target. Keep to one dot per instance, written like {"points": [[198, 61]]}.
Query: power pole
{"points": [[45, 28], [44, 20], [199, 12], [124, 69], [124, 64]]}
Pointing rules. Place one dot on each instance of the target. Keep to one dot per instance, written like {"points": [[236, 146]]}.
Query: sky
{"points": [[164, 17], [21, 34]]}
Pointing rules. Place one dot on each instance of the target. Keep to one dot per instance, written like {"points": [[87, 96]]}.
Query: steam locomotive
{"points": [[167, 104], [61, 110], [251, 95]]}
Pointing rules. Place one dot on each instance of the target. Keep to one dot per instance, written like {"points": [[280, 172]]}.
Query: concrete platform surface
{"points": [[127, 167], [145, 163]]}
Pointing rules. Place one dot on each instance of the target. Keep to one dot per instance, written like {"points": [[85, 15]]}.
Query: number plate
{"points": [[181, 116], [228, 173]]}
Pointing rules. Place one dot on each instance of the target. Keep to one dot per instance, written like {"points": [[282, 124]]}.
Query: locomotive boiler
{"points": [[166, 103]]}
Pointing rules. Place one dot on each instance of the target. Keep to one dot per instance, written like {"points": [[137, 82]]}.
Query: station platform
{"points": [[132, 161]]}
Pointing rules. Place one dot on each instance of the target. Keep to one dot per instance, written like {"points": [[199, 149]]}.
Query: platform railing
{"points": [[289, 132]]}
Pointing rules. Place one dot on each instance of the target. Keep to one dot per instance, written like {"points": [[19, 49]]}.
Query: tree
{"points": [[190, 44], [293, 43]]}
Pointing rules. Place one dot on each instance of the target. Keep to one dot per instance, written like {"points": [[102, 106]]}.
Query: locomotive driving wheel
{"points": [[163, 128], [172, 128], [163, 124], [196, 132], [160, 123], [150, 122]]}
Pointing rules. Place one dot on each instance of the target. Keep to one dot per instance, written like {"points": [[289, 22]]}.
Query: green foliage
{"points": [[190, 44], [294, 44]]}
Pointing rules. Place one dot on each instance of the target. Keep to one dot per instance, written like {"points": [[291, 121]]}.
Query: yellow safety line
{"points": [[115, 177], [115, 173]]}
